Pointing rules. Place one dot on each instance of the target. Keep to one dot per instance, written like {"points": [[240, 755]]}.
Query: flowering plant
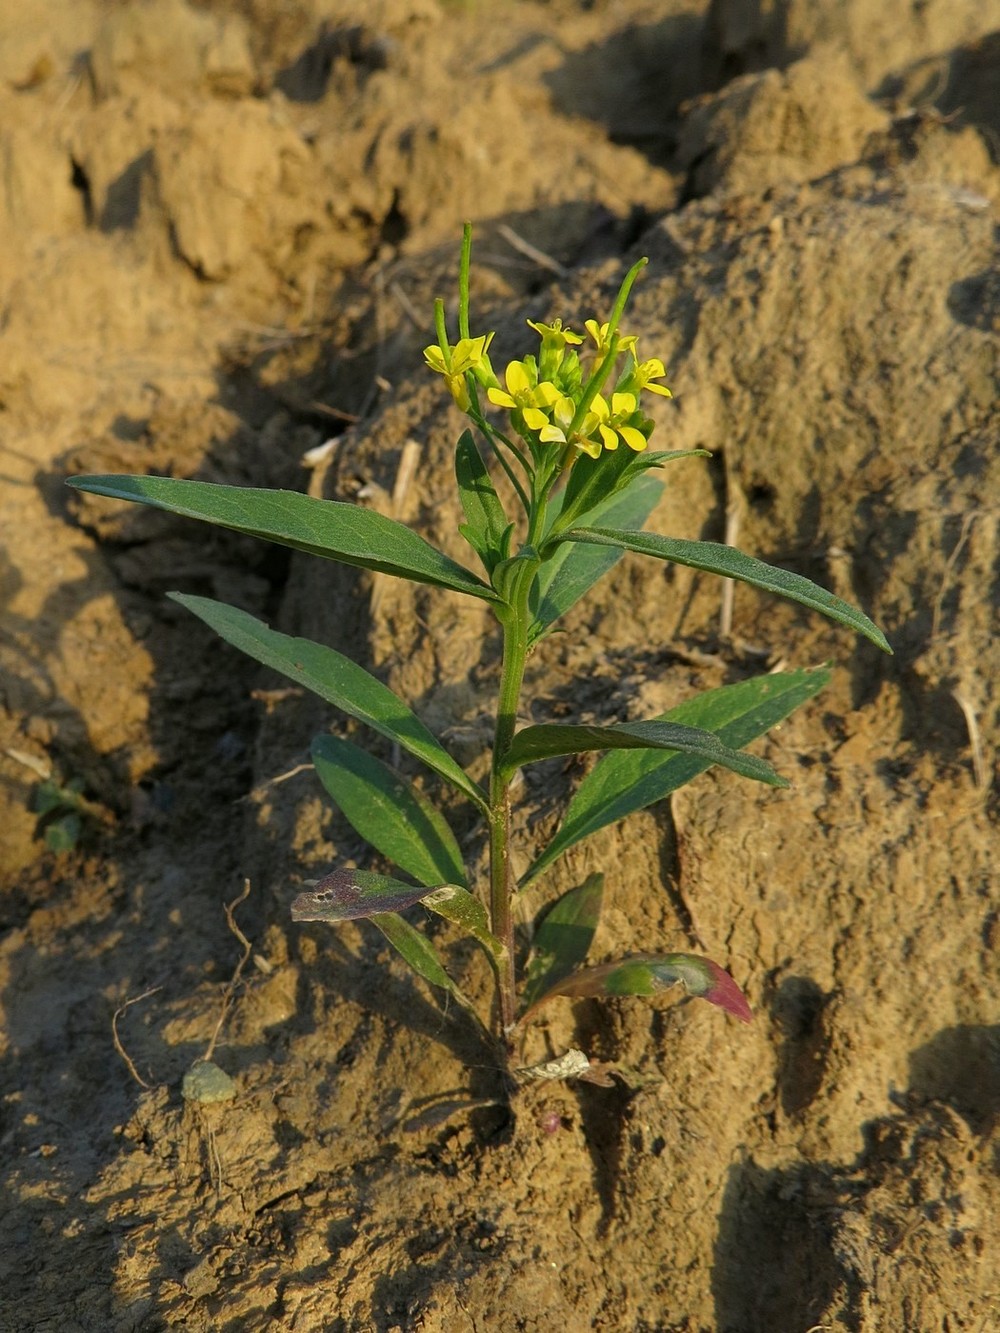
{"points": [[568, 444]]}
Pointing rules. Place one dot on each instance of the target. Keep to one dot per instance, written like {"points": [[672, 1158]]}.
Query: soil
{"points": [[223, 228]]}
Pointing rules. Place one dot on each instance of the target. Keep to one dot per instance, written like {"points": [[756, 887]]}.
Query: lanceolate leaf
{"points": [[593, 480], [336, 679], [463, 909], [548, 740], [330, 528], [715, 558], [648, 974], [350, 895], [420, 953], [563, 939], [629, 780], [574, 567], [487, 527], [388, 812], [346, 895]]}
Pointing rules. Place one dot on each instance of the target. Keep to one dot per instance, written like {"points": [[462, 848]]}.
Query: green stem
{"points": [[515, 651]]}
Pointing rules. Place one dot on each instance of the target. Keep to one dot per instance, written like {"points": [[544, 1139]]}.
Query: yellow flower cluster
{"points": [[547, 397]]}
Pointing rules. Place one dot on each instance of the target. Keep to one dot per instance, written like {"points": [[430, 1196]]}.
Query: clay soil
{"points": [[222, 227]]}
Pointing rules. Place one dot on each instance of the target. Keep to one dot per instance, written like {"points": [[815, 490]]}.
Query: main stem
{"points": [[515, 651]]}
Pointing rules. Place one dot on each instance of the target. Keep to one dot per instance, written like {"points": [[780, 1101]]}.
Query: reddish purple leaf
{"points": [[345, 895], [648, 974]]}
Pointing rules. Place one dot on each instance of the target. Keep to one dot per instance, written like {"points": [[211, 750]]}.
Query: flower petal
{"points": [[517, 378], [633, 438]]}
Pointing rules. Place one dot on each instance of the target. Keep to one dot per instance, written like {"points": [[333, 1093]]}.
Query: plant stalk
{"points": [[515, 650]]}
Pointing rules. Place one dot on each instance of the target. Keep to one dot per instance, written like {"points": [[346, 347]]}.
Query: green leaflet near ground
{"points": [[563, 938]]}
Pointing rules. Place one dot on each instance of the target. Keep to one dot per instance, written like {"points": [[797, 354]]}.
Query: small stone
{"points": [[205, 1082]]}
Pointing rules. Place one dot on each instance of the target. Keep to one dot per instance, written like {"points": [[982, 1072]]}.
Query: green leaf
{"points": [[63, 834], [465, 910], [593, 481], [649, 974], [574, 568], [551, 739], [564, 937], [716, 558], [507, 573], [419, 953], [487, 530], [349, 895], [626, 781], [336, 679], [329, 528], [388, 812], [346, 895]]}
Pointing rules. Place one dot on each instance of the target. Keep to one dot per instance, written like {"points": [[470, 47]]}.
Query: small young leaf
{"points": [[563, 938], [487, 530], [648, 974], [551, 739], [419, 953], [336, 679], [716, 558], [329, 528], [388, 812], [574, 568], [630, 780], [63, 834], [346, 895]]}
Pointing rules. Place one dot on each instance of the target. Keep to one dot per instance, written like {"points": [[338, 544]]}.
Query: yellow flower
{"points": [[554, 332], [524, 397], [646, 371], [612, 421], [554, 342], [559, 432], [467, 354], [599, 333]]}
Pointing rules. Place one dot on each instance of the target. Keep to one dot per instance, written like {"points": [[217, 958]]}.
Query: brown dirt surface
{"points": [[222, 227]]}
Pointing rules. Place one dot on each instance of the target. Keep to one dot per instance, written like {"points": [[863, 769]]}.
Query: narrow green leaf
{"points": [[716, 558], [649, 974], [487, 530], [417, 950], [346, 894], [388, 812], [329, 528], [626, 781], [336, 679], [593, 481], [563, 938], [573, 569], [551, 739], [465, 910]]}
